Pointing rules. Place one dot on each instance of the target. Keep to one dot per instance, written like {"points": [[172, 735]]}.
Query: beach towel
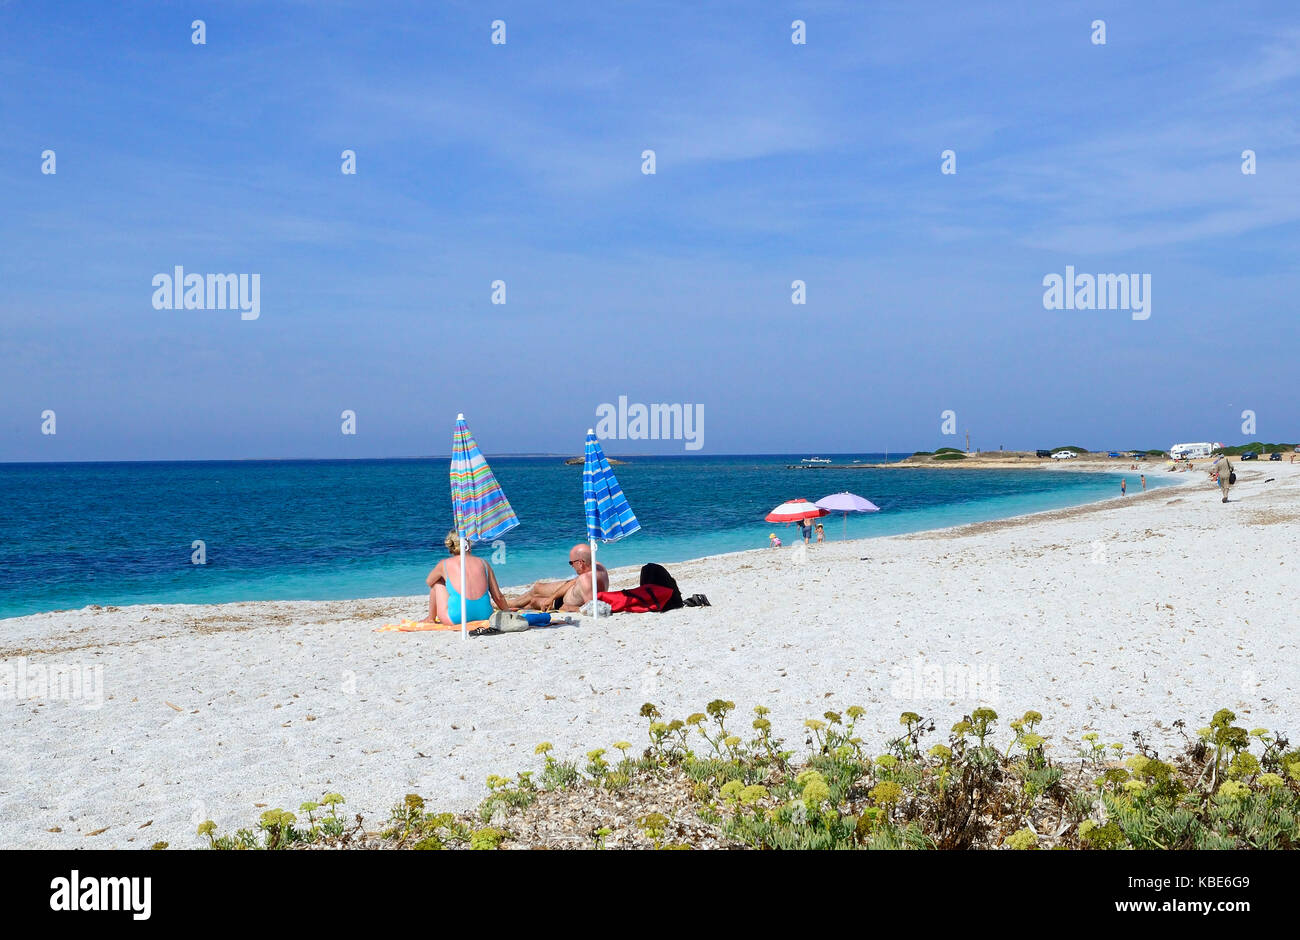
{"points": [[638, 600], [412, 626]]}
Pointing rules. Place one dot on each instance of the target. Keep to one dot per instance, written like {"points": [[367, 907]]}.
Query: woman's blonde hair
{"points": [[452, 541]]}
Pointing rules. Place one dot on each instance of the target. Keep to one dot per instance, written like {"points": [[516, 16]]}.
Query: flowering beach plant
{"points": [[696, 782]]}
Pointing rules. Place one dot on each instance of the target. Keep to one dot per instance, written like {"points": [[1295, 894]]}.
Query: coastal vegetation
{"points": [[1259, 447], [702, 782], [943, 453]]}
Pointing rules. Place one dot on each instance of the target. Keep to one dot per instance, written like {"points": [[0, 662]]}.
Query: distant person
{"points": [[773, 540], [565, 595], [1144, 483], [1221, 473], [1123, 487], [481, 590], [821, 533]]}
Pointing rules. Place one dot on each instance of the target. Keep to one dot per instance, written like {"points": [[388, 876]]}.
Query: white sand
{"points": [[1125, 615]]}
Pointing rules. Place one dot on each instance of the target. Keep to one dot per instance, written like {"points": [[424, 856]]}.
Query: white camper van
{"points": [[1192, 451]]}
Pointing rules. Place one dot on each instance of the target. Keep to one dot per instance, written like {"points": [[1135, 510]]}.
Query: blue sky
{"points": [[522, 162]]}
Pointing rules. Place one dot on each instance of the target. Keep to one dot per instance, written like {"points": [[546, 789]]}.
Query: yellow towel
{"points": [[413, 626]]}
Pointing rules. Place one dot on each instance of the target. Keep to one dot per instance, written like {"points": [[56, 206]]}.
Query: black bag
{"points": [[658, 574], [1232, 477]]}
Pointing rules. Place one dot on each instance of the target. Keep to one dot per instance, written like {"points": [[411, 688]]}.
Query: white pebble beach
{"points": [[1120, 616]]}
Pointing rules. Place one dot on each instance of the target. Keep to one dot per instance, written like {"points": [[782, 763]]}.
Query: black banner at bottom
{"points": [[321, 887]]}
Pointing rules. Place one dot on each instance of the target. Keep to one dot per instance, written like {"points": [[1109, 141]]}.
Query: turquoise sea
{"points": [[121, 533]]}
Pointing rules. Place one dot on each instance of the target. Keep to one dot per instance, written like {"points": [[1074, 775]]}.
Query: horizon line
{"points": [[558, 455]]}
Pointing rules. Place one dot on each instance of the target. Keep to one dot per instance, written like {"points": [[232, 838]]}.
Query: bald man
{"points": [[565, 595]]}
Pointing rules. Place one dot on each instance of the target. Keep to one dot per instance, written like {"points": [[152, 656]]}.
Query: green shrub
{"points": [[1231, 788], [1236, 450]]}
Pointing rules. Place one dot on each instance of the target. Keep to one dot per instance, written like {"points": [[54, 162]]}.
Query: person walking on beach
{"points": [[1144, 483], [1123, 487], [821, 533], [805, 529], [1221, 472]]}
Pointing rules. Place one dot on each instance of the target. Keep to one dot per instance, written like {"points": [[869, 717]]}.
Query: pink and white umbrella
{"points": [[846, 503]]}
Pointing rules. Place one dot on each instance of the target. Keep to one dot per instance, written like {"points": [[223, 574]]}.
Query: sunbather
{"points": [[565, 595], [481, 590]]}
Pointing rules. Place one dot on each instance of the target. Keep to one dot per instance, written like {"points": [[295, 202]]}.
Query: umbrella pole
{"points": [[464, 634], [846, 525], [594, 609]]}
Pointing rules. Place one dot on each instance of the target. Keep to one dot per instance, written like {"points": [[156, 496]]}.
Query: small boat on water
{"points": [[816, 460]]}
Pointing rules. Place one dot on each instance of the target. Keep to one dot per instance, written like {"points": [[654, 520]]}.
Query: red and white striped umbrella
{"points": [[794, 510]]}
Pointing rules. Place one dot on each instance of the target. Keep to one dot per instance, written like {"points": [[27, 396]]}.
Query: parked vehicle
{"points": [[1250, 455], [1276, 455], [1191, 451], [1064, 455], [1048, 453]]}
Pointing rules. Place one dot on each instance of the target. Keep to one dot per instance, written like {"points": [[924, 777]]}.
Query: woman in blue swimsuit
{"points": [[481, 590]]}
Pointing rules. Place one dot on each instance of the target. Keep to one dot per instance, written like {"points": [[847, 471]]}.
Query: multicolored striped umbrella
{"points": [[481, 510], [609, 517]]}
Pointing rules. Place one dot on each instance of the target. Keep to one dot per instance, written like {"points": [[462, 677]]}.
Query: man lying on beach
{"points": [[565, 595]]}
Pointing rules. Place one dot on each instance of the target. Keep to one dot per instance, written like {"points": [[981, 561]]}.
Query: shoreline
{"points": [[632, 570], [1119, 615]]}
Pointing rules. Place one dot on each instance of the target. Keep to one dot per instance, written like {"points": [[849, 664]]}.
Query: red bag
{"points": [[638, 600]]}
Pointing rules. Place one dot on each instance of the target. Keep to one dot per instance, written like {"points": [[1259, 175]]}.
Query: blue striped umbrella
{"points": [[481, 509], [609, 517]]}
